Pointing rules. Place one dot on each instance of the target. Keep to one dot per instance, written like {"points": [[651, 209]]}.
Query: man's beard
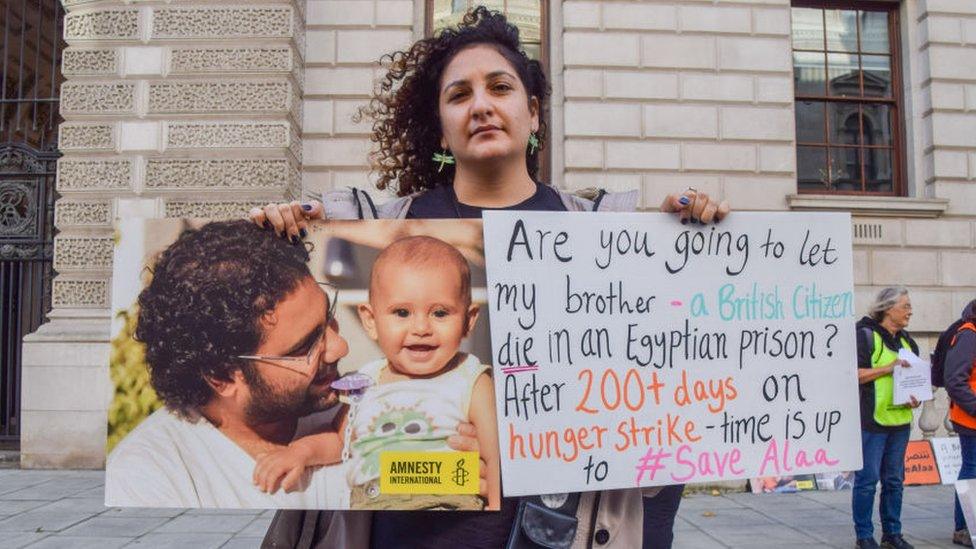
{"points": [[270, 403]]}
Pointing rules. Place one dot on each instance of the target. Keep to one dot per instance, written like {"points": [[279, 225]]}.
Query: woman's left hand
{"points": [[914, 403], [695, 206]]}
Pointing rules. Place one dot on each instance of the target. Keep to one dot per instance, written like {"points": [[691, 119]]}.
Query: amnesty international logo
{"points": [[460, 476], [429, 473]]}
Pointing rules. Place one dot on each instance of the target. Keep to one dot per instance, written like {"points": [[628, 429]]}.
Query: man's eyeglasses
{"points": [[305, 365]]}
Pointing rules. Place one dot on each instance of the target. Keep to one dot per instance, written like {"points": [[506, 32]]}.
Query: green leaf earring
{"points": [[533, 142], [444, 158]]}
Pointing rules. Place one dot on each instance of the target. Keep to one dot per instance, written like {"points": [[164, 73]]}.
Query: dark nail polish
{"points": [[307, 207], [695, 221], [302, 233], [293, 239], [266, 224], [684, 220]]}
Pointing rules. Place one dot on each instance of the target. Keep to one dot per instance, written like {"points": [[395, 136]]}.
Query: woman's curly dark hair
{"points": [[204, 304], [407, 128]]}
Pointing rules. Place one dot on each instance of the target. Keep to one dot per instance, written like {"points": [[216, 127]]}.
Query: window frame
{"points": [[897, 100], [545, 154]]}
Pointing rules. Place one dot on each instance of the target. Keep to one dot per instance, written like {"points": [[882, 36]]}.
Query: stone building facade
{"points": [[193, 108]]}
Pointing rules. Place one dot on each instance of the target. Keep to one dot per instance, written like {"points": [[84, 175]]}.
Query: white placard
{"points": [[631, 350], [913, 381], [948, 457]]}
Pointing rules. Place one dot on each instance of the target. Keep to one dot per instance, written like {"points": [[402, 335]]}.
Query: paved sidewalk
{"points": [[63, 509]]}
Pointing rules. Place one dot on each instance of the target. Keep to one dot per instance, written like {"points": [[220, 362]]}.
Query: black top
{"points": [[442, 203], [467, 529], [865, 350]]}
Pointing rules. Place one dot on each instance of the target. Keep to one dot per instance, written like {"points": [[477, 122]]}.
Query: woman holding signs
{"points": [[884, 427], [460, 121]]}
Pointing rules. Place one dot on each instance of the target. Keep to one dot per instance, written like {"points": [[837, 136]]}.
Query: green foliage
{"points": [[134, 396]]}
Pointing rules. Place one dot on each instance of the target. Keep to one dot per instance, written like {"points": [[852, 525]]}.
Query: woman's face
{"points": [[485, 111], [900, 313]]}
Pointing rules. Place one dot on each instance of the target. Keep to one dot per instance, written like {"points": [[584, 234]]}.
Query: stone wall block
{"points": [[223, 135], [204, 23], [394, 13], [102, 25], [366, 46], [717, 87], [75, 136], [877, 231], [98, 98], [603, 119], [69, 212], [55, 439], [584, 153], [344, 151], [256, 174], [94, 175], [722, 157], [904, 267], [80, 293], [951, 62], [581, 15], [680, 121], [672, 51], [338, 81], [643, 155], [954, 129], [755, 54], [775, 89], [581, 83], [340, 12], [639, 16], [715, 19], [641, 85], [760, 193], [601, 48], [82, 253], [772, 124], [957, 268], [940, 233], [230, 209], [89, 62], [221, 97], [210, 60]]}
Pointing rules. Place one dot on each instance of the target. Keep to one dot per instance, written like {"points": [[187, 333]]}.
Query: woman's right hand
{"points": [[288, 220]]}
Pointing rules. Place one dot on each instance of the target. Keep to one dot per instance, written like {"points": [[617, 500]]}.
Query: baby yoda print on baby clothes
{"points": [[407, 415]]}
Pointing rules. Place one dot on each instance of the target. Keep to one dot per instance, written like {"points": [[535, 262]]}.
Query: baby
{"points": [[419, 311]]}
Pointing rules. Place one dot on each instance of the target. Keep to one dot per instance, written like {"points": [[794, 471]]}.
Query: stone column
{"points": [[189, 109]]}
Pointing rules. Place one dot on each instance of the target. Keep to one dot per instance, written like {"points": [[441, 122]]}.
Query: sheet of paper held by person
{"points": [[631, 350], [915, 380], [330, 373]]}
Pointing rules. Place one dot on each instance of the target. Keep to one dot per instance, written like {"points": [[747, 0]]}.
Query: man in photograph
{"points": [[242, 347]]}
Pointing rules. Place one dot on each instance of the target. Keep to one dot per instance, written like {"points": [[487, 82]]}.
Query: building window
{"points": [[847, 89], [527, 15]]}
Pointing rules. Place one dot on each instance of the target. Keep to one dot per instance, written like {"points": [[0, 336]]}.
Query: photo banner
{"points": [[632, 350]]}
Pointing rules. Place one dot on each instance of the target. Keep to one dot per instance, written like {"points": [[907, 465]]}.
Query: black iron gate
{"points": [[31, 81]]}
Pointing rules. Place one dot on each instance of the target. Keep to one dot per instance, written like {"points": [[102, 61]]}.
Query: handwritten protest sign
{"points": [[630, 350], [948, 456]]}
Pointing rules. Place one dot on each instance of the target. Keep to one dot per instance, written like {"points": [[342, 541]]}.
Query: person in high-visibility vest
{"points": [[885, 427], [960, 383]]}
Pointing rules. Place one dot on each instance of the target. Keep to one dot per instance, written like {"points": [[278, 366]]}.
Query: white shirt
{"points": [[170, 462]]}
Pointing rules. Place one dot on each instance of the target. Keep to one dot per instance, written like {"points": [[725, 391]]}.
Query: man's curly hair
{"points": [[204, 305], [407, 127]]}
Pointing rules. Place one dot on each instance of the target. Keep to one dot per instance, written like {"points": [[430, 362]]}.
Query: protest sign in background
{"points": [[630, 350]]}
